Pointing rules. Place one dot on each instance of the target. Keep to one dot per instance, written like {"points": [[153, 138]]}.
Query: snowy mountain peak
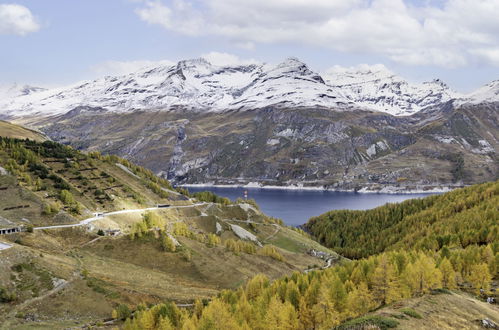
{"points": [[487, 93], [376, 87], [363, 73], [199, 85], [16, 90]]}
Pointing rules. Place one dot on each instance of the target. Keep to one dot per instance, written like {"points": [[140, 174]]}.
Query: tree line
{"points": [[456, 219]]}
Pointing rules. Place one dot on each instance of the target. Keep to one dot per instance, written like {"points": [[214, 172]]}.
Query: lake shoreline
{"points": [[388, 189], [296, 206]]}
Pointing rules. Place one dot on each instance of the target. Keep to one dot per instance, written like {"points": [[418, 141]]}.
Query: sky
{"points": [[56, 42]]}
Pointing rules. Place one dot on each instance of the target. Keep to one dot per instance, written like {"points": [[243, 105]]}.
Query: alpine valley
{"points": [[274, 125]]}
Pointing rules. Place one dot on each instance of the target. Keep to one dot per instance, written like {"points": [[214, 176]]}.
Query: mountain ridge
{"points": [[199, 85]]}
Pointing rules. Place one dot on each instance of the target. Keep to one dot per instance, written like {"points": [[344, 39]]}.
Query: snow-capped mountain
{"points": [[487, 93], [194, 84], [378, 88], [201, 86], [15, 90]]}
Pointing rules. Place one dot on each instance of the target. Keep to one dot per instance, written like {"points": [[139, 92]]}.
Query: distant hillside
{"points": [[15, 131], [456, 219]]}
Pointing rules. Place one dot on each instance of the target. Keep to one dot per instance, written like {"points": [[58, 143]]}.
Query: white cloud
{"points": [[490, 55], [17, 19], [452, 34], [118, 68], [217, 58]]}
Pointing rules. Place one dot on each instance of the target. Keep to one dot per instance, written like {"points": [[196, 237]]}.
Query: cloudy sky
{"points": [[55, 42]]}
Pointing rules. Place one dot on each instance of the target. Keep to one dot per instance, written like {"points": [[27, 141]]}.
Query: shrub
{"points": [[168, 244], [271, 251], [412, 313], [6, 296]]}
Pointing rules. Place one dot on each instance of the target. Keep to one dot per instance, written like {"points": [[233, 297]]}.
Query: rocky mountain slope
{"points": [[296, 146], [195, 122]]}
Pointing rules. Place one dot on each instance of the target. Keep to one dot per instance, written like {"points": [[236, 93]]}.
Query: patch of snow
{"points": [[3, 171], [273, 142], [371, 151], [487, 93], [445, 139], [288, 132]]}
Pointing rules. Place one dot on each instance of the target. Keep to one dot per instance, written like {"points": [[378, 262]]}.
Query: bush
{"points": [[66, 197], [123, 312], [100, 232], [50, 209], [412, 313], [271, 251], [6, 296], [168, 244], [239, 246]]}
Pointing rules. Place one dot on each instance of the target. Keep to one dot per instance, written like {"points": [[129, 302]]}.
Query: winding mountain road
{"points": [[95, 218]]}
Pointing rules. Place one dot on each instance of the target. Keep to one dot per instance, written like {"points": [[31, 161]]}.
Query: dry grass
{"points": [[443, 311], [14, 131]]}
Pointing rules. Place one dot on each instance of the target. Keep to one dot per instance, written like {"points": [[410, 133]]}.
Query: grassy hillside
{"points": [[444, 310], [193, 249], [455, 219]]}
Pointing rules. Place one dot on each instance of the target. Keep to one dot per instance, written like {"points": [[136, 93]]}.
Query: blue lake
{"points": [[295, 207]]}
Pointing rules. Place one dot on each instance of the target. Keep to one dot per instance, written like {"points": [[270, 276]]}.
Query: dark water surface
{"points": [[295, 207]]}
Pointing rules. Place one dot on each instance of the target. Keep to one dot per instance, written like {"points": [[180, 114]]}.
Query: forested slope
{"points": [[414, 249], [455, 219], [325, 299]]}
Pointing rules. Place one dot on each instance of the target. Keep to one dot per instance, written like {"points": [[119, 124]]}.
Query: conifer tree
{"points": [[448, 274], [480, 277], [360, 301], [281, 316]]}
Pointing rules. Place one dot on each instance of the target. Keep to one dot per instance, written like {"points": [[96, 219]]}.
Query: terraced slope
{"points": [[54, 277]]}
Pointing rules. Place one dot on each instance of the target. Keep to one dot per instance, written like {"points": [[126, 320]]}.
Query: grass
{"points": [[442, 311], [14, 131], [287, 243]]}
